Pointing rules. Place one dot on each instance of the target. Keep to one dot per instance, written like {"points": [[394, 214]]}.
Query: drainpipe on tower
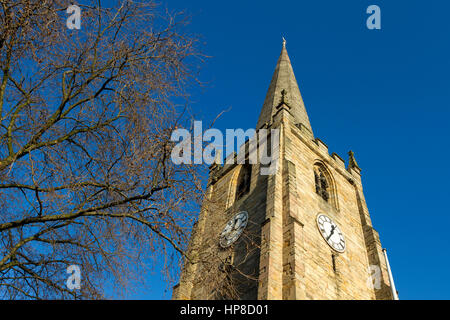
{"points": [[391, 278]]}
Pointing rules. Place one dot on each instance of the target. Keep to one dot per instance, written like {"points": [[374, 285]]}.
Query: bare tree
{"points": [[85, 123], [230, 273], [223, 272]]}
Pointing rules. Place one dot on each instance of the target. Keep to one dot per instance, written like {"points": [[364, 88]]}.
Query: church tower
{"points": [[303, 232]]}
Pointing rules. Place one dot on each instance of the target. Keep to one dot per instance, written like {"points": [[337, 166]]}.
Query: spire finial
{"points": [[284, 42], [218, 157], [217, 161], [352, 161]]}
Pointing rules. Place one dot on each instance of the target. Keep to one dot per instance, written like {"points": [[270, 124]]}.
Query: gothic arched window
{"points": [[323, 185], [243, 182]]}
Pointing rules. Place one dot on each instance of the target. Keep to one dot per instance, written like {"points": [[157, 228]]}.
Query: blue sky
{"points": [[382, 93]]}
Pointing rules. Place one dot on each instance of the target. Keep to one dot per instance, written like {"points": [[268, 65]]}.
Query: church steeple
{"points": [[284, 89], [287, 233]]}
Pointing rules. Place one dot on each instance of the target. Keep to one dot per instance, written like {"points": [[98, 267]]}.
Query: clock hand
{"points": [[237, 223], [332, 231]]}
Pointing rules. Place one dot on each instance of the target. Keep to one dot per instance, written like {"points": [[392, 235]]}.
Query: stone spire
{"points": [[284, 89]]}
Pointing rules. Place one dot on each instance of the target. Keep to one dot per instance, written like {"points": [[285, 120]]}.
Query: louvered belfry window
{"points": [[322, 185], [243, 185]]}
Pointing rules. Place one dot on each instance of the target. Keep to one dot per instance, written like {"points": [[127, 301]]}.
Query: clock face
{"points": [[331, 233], [233, 229]]}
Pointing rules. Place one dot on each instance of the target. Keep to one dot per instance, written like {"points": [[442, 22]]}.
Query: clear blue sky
{"points": [[383, 93]]}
